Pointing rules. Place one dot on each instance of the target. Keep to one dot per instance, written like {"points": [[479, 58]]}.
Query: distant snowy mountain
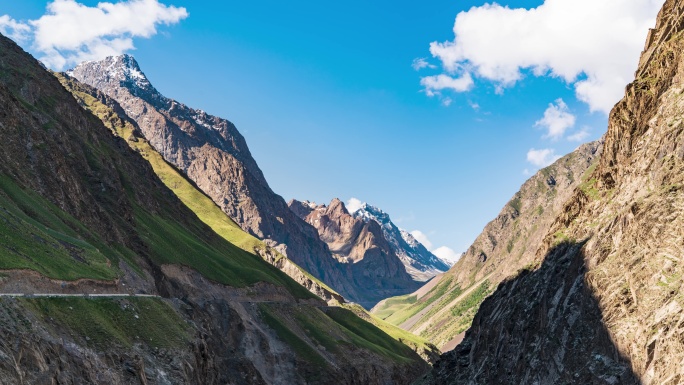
{"points": [[348, 235], [420, 263]]}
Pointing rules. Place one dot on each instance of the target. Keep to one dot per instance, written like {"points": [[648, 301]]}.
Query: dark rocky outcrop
{"points": [[506, 245], [626, 224]]}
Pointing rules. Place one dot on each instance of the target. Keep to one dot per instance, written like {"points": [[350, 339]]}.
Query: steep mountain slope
{"points": [[441, 310], [82, 213], [114, 118], [603, 302], [419, 262], [214, 155], [362, 246]]}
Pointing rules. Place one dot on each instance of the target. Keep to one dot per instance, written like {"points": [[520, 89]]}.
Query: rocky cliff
{"points": [[215, 156], [420, 263], [361, 245], [602, 303], [443, 309], [84, 217], [113, 116]]}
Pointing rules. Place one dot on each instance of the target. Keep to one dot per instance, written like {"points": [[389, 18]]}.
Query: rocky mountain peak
{"points": [[418, 261], [122, 70], [337, 208], [368, 212], [409, 238]]}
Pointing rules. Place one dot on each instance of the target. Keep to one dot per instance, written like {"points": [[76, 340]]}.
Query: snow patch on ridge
{"points": [[419, 262]]}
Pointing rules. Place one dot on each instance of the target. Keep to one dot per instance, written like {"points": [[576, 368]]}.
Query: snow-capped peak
{"points": [[122, 68], [419, 261], [409, 238], [368, 212]]}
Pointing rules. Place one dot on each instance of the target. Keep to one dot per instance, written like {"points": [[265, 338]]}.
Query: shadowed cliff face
{"points": [[443, 309], [531, 332], [631, 216]]}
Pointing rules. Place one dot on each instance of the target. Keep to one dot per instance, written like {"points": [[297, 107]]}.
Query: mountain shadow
{"points": [[542, 326]]}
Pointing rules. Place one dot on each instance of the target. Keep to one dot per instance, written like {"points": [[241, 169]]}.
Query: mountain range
{"points": [[215, 157], [107, 276], [140, 243]]}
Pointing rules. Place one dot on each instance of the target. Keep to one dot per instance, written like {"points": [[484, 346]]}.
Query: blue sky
{"points": [[330, 104]]}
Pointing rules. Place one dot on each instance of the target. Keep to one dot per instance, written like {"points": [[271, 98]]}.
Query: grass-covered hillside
{"points": [[81, 212]]}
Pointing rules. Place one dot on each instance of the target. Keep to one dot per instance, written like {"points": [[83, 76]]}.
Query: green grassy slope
{"points": [[104, 323], [445, 311], [205, 209], [415, 342], [75, 202], [334, 328], [37, 235]]}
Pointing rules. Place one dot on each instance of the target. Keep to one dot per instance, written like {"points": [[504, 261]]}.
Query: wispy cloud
{"points": [[71, 32], [15, 30], [420, 63], [580, 135], [557, 119], [543, 157], [447, 254], [443, 252], [422, 238], [591, 44], [434, 84]]}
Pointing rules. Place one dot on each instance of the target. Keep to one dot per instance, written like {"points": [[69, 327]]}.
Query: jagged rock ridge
{"points": [[113, 116], [361, 245], [82, 213], [419, 261], [215, 156], [506, 245], [608, 275]]}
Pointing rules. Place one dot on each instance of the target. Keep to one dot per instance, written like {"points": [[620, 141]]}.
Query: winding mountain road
{"points": [[59, 295]]}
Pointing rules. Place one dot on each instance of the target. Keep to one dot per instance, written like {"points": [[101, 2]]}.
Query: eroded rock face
{"points": [[215, 156], [420, 263], [506, 245], [510, 241], [628, 231], [360, 245], [93, 193]]}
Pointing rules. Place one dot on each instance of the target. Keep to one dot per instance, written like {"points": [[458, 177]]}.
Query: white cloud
{"points": [[353, 205], [422, 238], [420, 63], [71, 32], [542, 158], [557, 119], [434, 84], [446, 102], [447, 254], [591, 44], [474, 105], [13, 29], [580, 135]]}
